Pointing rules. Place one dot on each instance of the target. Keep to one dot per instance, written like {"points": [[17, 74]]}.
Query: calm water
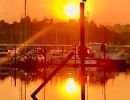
{"points": [[117, 87]]}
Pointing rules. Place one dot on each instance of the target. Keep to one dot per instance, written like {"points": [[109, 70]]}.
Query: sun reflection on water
{"points": [[71, 86]]}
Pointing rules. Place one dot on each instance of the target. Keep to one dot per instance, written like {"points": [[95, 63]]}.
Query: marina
{"points": [[39, 63], [64, 50], [37, 57]]}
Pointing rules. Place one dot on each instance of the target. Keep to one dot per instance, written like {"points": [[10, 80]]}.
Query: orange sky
{"points": [[102, 11]]}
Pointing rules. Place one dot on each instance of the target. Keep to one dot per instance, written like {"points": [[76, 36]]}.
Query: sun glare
{"points": [[71, 10], [71, 86]]}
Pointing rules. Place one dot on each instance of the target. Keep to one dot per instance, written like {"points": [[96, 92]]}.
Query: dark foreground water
{"points": [[65, 86]]}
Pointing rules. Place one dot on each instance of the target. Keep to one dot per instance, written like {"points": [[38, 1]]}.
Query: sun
{"points": [[71, 10]]}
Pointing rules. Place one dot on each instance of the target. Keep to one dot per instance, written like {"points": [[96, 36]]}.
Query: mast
{"points": [[25, 15], [82, 50]]}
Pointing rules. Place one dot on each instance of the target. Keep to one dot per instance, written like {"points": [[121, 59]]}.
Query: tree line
{"points": [[62, 32]]}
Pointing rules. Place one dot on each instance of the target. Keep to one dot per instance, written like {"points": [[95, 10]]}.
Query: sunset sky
{"points": [[101, 11]]}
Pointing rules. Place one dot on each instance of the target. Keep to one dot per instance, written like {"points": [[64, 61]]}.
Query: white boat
{"points": [[3, 52]]}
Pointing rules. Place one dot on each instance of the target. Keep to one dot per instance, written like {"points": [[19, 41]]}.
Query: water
{"points": [[117, 87]]}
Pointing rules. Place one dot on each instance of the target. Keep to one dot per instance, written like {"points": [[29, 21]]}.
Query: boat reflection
{"points": [[65, 85], [65, 73]]}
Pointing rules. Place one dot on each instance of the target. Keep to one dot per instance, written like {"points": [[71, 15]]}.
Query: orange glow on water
{"points": [[71, 87]]}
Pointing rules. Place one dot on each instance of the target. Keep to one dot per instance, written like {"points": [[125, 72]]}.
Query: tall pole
{"points": [[25, 14], [82, 50]]}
